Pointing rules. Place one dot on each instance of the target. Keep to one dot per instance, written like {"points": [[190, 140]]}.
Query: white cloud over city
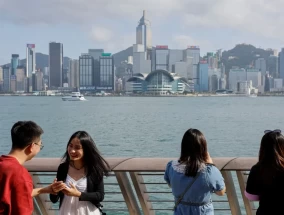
{"points": [[105, 21]]}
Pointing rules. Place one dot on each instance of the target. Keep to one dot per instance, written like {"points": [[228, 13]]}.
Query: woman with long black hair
{"points": [[266, 178], [82, 171], [193, 177]]}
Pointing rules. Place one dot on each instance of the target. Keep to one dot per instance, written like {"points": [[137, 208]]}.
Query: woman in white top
{"points": [[82, 172]]}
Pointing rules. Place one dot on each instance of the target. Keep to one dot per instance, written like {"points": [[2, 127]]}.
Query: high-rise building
{"points": [[214, 83], [96, 54], [236, 75], [14, 63], [1, 78], [254, 75], [272, 66], [46, 71], [260, 64], [144, 33], [39, 80], [65, 77], [31, 60], [174, 57], [140, 64], [13, 83], [30, 66], [74, 74], [202, 81], [106, 72], [281, 64], [180, 68], [267, 83], [1, 74], [162, 57], [6, 79], [20, 79], [223, 82], [86, 65], [194, 52], [55, 64]]}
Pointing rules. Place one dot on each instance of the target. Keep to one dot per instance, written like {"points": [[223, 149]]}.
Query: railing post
{"points": [[42, 199], [231, 193], [143, 197], [242, 181], [127, 193]]}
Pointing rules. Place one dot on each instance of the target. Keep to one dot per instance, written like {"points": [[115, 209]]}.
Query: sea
{"points": [[146, 126]]}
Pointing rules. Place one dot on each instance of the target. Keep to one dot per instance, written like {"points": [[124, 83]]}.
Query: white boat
{"points": [[253, 95], [75, 96]]}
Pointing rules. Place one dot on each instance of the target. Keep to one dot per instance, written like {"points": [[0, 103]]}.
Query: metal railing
{"points": [[136, 186]]}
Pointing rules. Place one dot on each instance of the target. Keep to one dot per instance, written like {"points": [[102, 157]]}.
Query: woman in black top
{"points": [[82, 172], [266, 179]]}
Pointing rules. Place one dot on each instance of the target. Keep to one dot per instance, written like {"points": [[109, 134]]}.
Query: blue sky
{"points": [[111, 24]]}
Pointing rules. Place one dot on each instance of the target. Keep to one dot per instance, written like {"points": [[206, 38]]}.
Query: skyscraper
{"points": [[260, 64], [86, 65], [106, 72], [281, 64], [162, 57], [96, 54], [55, 64], [6, 79], [74, 74], [20, 79], [30, 65], [144, 33], [14, 63]]}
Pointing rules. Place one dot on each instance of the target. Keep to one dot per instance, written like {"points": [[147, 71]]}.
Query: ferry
{"points": [[75, 96]]}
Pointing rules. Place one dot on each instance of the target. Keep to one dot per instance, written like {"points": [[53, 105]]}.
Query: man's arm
{"points": [[37, 191], [48, 189]]}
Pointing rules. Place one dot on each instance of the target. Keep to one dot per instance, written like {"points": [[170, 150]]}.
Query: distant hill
{"points": [[122, 56], [243, 55]]}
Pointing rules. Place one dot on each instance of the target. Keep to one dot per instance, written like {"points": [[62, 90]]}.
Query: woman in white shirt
{"points": [[82, 171]]}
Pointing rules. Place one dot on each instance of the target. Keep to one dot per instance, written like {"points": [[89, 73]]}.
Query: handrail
{"points": [[140, 183], [129, 164]]}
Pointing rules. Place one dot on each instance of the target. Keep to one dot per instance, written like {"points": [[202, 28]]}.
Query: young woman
{"points": [[82, 172], [265, 180], [194, 177]]}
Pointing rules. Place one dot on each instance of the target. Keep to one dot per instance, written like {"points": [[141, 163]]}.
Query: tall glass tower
{"points": [[14, 63], [144, 33]]}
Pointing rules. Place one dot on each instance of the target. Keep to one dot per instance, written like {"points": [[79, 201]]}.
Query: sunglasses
{"points": [[274, 131]]}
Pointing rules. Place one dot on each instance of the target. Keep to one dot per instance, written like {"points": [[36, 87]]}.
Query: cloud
{"points": [[260, 17], [121, 42], [101, 34], [256, 18], [79, 11], [183, 41]]}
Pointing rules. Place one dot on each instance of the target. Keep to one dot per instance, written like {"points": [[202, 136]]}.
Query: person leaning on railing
{"points": [[266, 179], [16, 185], [82, 172], [194, 177]]}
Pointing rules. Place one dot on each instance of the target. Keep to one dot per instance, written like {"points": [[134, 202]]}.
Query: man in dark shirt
{"points": [[16, 186]]}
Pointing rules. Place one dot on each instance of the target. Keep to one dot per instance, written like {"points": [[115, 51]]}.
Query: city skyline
{"points": [[174, 23]]}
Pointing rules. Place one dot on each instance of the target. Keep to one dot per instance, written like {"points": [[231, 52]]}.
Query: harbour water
{"points": [[146, 126]]}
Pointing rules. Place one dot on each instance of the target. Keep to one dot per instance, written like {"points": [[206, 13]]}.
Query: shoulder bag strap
{"points": [[187, 188]]}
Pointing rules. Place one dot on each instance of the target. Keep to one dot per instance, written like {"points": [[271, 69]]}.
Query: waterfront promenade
{"points": [[136, 186]]}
